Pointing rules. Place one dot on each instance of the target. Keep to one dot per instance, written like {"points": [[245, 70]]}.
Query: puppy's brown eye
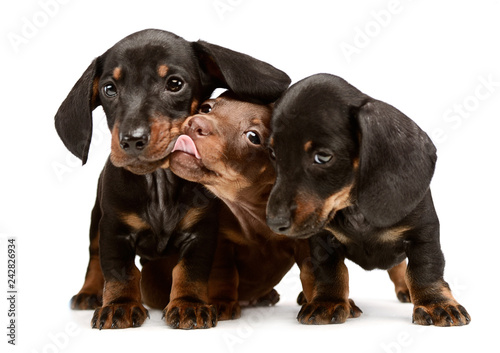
{"points": [[253, 137], [322, 158], [174, 84], [110, 90], [205, 108]]}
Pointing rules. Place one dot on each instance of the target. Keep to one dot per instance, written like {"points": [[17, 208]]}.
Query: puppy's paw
{"points": [[404, 295], [228, 310], [123, 315], [442, 314], [86, 301], [269, 299], [301, 299], [322, 313], [186, 314]]}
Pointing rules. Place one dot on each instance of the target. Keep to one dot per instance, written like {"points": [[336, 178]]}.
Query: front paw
{"points": [[132, 314], [86, 301], [190, 315], [442, 314], [228, 310], [322, 313]]}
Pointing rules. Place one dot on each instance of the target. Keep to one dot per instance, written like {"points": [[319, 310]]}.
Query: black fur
{"points": [[382, 159]]}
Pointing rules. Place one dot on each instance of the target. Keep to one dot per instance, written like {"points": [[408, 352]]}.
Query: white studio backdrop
{"points": [[438, 62]]}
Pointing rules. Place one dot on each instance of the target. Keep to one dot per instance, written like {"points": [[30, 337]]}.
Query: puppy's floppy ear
{"points": [[250, 79], [397, 161], [73, 120]]}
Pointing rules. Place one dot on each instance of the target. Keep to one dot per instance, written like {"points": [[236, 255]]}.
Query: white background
{"points": [[431, 59]]}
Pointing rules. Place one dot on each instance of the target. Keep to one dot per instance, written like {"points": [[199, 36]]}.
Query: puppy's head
{"points": [[334, 147], [223, 147], [147, 84]]}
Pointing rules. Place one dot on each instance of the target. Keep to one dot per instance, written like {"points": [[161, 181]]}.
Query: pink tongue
{"points": [[185, 144]]}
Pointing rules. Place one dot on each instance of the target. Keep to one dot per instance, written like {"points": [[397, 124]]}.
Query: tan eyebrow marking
{"points": [[162, 70], [117, 73]]}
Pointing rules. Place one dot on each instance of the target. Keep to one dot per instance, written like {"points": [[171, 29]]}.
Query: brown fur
{"points": [[397, 275], [331, 300], [134, 221], [188, 300], [241, 174], [95, 92], [335, 202], [144, 215], [194, 106], [163, 132], [442, 310], [192, 217], [121, 299], [90, 295]]}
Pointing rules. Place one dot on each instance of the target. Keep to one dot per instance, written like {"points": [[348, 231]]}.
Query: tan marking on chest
{"points": [[393, 234], [134, 221], [341, 237], [192, 217]]}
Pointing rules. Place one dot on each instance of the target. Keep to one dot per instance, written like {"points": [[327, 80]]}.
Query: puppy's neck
{"points": [[249, 208]]}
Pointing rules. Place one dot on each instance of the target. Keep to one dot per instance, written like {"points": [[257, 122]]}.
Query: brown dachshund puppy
{"points": [[223, 149]]}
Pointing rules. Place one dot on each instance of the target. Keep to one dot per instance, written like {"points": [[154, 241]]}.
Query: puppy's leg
{"points": [[122, 306], [431, 296], [325, 281], [189, 306], [301, 298], [269, 299], [223, 282], [90, 296], [156, 281], [397, 275]]}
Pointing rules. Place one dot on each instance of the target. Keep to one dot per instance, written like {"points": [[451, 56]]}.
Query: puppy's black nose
{"points": [[279, 224], [134, 142]]}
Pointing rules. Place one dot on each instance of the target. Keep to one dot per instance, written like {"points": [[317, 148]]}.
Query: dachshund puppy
{"points": [[148, 84], [223, 149], [359, 169]]}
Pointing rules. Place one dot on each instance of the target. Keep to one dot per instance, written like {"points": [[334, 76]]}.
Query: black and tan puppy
{"points": [[223, 149], [148, 84], [361, 169]]}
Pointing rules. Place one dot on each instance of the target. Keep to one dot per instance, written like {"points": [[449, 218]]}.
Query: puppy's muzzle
{"points": [[134, 141]]}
